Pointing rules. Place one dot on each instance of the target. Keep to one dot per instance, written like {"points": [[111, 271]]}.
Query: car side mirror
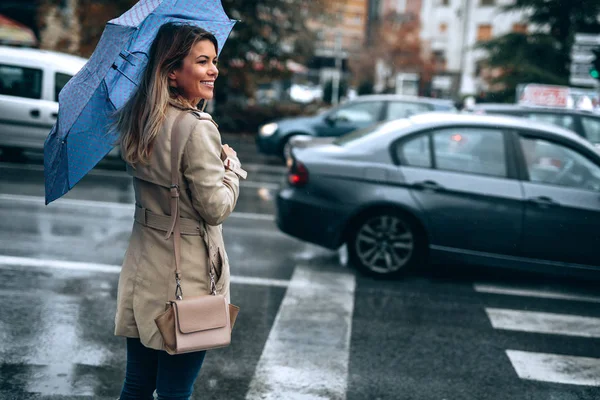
{"points": [[330, 120]]}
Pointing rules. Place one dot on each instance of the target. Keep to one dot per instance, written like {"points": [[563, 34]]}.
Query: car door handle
{"points": [[427, 185], [35, 113], [543, 201], [54, 115]]}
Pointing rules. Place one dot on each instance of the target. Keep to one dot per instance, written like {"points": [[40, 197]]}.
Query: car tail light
{"points": [[298, 174]]}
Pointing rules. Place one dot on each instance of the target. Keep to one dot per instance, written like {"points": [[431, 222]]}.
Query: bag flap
{"points": [[201, 313]]}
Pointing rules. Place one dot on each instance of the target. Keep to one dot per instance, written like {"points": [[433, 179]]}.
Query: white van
{"points": [[30, 80]]}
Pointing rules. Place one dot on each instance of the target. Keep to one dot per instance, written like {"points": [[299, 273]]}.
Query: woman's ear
{"points": [[172, 75]]}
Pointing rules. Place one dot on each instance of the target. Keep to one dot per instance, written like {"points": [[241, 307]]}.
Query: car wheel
{"points": [[385, 244]]}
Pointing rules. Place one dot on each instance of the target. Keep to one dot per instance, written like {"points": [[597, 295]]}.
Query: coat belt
{"points": [[163, 222]]}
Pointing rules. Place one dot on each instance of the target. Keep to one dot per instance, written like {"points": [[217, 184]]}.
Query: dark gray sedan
{"points": [[449, 188]]}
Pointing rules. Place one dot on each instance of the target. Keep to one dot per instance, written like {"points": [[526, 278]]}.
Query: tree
{"points": [[542, 56], [397, 43], [268, 33], [562, 19], [520, 58]]}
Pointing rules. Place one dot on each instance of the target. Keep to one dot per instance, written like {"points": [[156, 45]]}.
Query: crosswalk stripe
{"points": [[307, 352], [540, 322], [556, 368], [78, 203], [526, 292], [9, 263]]}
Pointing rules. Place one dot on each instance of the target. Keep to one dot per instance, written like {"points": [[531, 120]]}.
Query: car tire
{"points": [[386, 243]]}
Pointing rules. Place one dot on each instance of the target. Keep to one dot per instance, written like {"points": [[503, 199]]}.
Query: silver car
{"points": [[449, 188], [30, 80]]}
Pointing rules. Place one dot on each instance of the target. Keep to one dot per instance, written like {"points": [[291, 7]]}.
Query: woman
{"points": [[181, 72]]}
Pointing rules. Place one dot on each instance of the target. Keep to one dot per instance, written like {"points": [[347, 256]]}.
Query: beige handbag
{"points": [[195, 323]]}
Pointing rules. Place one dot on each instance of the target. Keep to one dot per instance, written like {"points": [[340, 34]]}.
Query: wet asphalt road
{"points": [[448, 333]]}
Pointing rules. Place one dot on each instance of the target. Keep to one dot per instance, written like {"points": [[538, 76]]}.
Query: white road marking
{"points": [[64, 202], [544, 294], [272, 169], [556, 368], [124, 175], [306, 355], [264, 168], [539, 322], [28, 262], [259, 185], [6, 262]]}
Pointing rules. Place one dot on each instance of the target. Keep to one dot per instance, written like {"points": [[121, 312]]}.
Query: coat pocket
{"points": [[223, 276]]}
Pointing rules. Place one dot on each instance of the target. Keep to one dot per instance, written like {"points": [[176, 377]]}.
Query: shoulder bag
{"points": [[195, 323]]}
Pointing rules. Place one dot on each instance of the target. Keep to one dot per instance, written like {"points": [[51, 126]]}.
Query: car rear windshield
{"points": [[377, 129]]}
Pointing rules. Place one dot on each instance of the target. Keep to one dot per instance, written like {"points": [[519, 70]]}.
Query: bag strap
{"points": [[175, 228]]}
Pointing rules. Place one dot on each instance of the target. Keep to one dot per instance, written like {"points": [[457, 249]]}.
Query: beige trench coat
{"points": [[209, 193]]}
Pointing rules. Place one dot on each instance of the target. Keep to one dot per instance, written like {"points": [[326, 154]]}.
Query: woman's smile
{"points": [[195, 79]]}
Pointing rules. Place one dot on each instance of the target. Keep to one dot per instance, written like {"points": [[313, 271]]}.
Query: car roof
{"points": [[402, 97], [519, 107], [495, 121], [63, 60]]}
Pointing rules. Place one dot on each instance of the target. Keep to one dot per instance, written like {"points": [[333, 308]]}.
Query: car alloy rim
{"points": [[287, 150], [384, 244]]}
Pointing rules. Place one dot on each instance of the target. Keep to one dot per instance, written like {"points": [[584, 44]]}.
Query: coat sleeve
{"points": [[214, 189]]}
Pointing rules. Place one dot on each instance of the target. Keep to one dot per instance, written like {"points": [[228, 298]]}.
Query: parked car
{"points": [[358, 113], [30, 80], [585, 123], [449, 188]]}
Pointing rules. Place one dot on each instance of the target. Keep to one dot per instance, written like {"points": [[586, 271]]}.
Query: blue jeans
{"points": [[173, 377]]}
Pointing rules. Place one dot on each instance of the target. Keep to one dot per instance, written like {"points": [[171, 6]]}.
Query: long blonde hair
{"points": [[140, 120]]}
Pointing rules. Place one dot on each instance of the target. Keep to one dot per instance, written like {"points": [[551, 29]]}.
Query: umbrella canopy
{"points": [[82, 136]]}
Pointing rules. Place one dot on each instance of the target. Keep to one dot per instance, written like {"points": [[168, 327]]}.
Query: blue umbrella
{"points": [[81, 136]]}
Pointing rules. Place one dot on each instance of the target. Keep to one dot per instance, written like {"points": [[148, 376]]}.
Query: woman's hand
{"points": [[227, 151]]}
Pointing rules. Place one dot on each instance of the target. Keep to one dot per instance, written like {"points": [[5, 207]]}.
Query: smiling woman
{"points": [[195, 79], [168, 142]]}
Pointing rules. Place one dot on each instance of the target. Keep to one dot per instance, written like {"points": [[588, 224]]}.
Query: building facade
{"points": [[453, 28], [341, 32]]}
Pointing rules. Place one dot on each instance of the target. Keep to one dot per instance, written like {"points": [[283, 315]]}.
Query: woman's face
{"points": [[195, 79]]}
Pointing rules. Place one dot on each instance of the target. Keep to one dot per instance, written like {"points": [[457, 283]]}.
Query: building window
{"points": [[443, 27], [484, 32], [487, 2], [519, 28], [439, 60]]}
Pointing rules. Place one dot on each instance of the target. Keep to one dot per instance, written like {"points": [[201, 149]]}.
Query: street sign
{"points": [[582, 58], [544, 95]]}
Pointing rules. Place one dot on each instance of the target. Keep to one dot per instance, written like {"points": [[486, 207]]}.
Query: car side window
{"points": [[403, 109], [471, 150], [20, 82], [415, 152], [60, 80], [367, 111], [555, 164], [591, 127], [562, 120]]}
